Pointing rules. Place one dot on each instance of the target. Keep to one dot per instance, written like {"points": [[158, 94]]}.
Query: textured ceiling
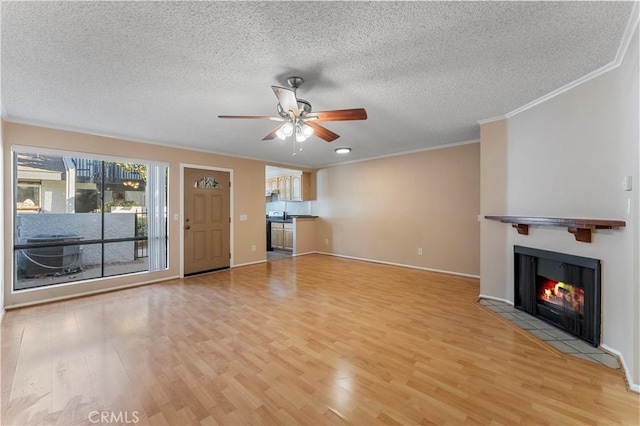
{"points": [[425, 71]]}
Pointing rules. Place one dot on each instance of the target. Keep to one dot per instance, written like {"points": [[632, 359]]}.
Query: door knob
{"points": [[187, 227]]}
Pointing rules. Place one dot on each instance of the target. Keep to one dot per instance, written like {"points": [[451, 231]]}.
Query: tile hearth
{"points": [[553, 336]]}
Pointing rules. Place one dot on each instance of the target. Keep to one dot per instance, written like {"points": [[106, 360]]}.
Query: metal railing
{"points": [[91, 169], [141, 248]]}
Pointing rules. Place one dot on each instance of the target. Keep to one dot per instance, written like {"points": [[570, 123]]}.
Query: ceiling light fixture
{"points": [[285, 131], [344, 150], [306, 130], [303, 131], [298, 118]]}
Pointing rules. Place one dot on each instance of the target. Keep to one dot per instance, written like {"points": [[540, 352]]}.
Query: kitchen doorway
{"points": [[277, 255], [284, 198]]}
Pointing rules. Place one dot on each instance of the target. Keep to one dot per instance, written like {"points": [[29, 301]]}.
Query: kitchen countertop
{"points": [[289, 219]]}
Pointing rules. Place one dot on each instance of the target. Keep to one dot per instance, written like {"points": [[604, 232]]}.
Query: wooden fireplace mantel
{"points": [[580, 228]]}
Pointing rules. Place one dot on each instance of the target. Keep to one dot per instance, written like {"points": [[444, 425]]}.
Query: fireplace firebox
{"points": [[561, 289]]}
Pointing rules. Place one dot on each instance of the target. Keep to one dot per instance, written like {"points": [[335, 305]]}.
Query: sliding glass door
{"points": [[79, 217]]}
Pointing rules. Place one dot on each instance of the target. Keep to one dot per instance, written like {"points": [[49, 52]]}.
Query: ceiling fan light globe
{"points": [[300, 137], [287, 129], [280, 134], [307, 130]]}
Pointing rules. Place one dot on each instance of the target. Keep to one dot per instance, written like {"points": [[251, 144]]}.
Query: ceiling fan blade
{"points": [[253, 117], [323, 132], [338, 115], [272, 134], [286, 98]]}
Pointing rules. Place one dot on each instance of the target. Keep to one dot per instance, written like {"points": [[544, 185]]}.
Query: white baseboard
{"points": [[627, 373], [498, 299], [250, 263], [440, 271], [305, 253]]}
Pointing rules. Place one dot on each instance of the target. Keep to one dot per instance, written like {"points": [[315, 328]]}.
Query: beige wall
{"points": [[493, 235], [567, 157], [387, 208], [305, 240], [382, 209], [2, 234], [248, 192]]}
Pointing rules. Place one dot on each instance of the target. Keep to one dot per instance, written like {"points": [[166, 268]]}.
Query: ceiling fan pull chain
{"points": [[294, 146]]}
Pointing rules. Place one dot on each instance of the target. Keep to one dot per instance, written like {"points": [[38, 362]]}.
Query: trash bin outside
{"points": [[53, 260]]}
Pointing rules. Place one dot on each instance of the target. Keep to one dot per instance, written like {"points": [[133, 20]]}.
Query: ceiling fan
{"points": [[298, 119]]}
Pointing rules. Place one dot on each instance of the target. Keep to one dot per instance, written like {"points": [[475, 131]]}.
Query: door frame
{"points": [[181, 218]]}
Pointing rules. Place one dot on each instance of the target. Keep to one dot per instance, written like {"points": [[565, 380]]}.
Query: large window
{"points": [[79, 218]]}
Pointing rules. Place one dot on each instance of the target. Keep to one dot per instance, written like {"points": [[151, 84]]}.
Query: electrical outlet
{"points": [[326, 241], [420, 252], [253, 247]]}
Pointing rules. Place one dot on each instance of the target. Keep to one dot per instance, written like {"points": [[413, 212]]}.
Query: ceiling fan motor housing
{"points": [[303, 105]]}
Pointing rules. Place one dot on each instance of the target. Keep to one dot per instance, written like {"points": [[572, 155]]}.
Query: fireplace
{"points": [[561, 289]]}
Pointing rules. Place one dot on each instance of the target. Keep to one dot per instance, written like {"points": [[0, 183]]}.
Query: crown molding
{"points": [[629, 31], [397, 154], [632, 25], [561, 90], [491, 120]]}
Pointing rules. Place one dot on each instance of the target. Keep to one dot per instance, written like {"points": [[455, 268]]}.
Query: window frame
{"points": [[25, 149]]}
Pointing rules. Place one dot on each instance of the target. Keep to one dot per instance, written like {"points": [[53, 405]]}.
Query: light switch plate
{"points": [[627, 183], [243, 217]]}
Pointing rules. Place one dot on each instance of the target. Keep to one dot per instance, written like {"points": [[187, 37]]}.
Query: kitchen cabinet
{"points": [[282, 236], [301, 187], [295, 187], [288, 236], [283, 193], [277, 236], [287, 187], [270, 185]]}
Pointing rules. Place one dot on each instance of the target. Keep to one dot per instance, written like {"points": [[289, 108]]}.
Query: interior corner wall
{"points": [[493, 187], [1, 220], [386, 209], [567, 157]]}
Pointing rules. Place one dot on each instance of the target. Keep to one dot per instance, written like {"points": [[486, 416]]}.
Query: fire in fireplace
{"points": [[561, 289], [562, 295]]}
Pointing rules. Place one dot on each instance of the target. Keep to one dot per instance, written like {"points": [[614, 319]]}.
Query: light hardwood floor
{"points": [[307, 340]]}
